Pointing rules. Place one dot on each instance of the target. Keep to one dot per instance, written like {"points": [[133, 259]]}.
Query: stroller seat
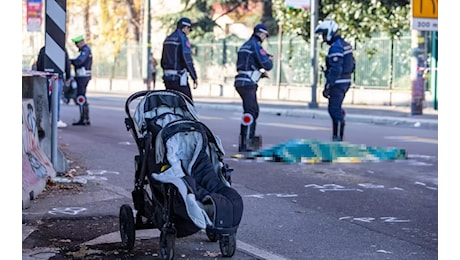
{"points": [[181, 161], [209, 202]]}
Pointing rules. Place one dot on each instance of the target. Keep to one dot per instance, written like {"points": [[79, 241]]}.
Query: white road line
{"points": [[257, 251], [296, 126], [413, 139]]}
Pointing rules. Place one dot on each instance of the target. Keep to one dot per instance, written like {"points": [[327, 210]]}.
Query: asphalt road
{"points": [[368, 210]]}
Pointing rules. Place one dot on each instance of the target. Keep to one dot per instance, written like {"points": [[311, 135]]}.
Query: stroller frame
{"points": [[154, 200]]}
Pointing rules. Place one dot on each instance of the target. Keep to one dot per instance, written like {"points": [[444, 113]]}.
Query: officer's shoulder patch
{"points": [[188, 44], [335, 59], [263, 52]]}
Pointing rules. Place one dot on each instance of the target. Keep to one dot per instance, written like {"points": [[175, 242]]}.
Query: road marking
{"points": [[210, 117], [371, 219], [330, 187], [296, 126], [410, 138], [257, 251], [67, 210], [278, 195]]}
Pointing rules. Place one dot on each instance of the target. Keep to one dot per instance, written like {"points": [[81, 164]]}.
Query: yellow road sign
{"points": [[425, 9]]}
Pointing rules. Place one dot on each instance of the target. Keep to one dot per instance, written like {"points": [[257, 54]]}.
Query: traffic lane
{"points": [[106, 147], [377, 215], [308, 128], [421, 170], [275, 130]]}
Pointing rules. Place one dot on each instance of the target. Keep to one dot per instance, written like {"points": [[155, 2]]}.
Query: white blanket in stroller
{"points": [[183, 150]]}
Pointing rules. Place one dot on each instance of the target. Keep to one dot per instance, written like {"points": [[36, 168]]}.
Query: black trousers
{"points": [[173, 83], [248, 95]]}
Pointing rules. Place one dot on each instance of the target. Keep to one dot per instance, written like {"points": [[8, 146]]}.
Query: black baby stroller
{"points": [[181, 185]]}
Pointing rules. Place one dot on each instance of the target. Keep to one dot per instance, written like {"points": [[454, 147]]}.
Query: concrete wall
{"points": [[36, 138]]}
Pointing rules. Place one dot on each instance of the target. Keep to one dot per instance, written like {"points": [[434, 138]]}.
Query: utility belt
{"points": [[255, 75], [182, 74], [82, 72], [344, 78]]}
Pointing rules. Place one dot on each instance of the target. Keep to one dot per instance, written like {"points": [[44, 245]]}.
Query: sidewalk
{"points": [[373, 114]]}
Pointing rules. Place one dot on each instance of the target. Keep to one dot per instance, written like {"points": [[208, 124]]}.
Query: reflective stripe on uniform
{"points": [[343, 81], [170, 72], [244, 79]]}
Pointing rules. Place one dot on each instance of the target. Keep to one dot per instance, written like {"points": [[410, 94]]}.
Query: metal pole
{"points": [[314, 63], [278, 65], [54, 111], [417, 73], [434, 68], [149, 45]]}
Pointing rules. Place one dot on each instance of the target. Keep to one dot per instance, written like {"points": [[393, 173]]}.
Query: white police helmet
{"points": [[328, 28]]}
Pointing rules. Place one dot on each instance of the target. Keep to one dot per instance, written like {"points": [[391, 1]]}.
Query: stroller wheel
{"points": [[167, 241], [127, 232], [212, 236], [227, 244]]}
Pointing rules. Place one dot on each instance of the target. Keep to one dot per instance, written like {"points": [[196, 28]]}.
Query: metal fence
{"points": [[215, 62]]}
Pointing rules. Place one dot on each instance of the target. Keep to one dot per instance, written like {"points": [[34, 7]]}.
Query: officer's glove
{"points": [[326, 91], [195, 84]]}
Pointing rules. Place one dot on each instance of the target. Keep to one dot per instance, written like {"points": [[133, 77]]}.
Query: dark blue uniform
{"points": [[82, 65], [176, 61], [339, 67], [252, 58]]}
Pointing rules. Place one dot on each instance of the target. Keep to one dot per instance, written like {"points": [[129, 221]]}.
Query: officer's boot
{"points": [[86, 114], [243, 138], [342, 129], [335, 131], [81, 121], [255, 142]]}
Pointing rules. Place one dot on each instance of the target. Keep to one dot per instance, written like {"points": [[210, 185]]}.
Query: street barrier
{"points": [[37, 166]]}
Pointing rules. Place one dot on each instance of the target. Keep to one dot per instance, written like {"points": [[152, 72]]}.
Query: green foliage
{"points": [[201, 13], [358, 20]]}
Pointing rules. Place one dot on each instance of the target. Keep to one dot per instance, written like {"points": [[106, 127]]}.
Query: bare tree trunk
{"points": [[86, 15], [267, 17], [112, 73], [133, 21]]}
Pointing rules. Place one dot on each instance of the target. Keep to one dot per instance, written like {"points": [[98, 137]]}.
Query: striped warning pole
{"points": [[55, 36], [55, 25]]}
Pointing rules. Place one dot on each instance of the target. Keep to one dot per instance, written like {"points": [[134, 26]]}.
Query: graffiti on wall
{"points": [[36, 165]]}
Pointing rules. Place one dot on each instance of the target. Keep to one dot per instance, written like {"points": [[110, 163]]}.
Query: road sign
{"points": [[302, 4], [425, 9], [34, 15], [425, 15]]}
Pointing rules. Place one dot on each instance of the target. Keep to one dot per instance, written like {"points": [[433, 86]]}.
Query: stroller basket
{"points": [[181, 183]]}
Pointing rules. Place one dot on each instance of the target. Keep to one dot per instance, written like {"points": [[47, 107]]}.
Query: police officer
{"points": [[64, 78], [176, 59], [340, 64], [82, 65], [252, 64]]}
